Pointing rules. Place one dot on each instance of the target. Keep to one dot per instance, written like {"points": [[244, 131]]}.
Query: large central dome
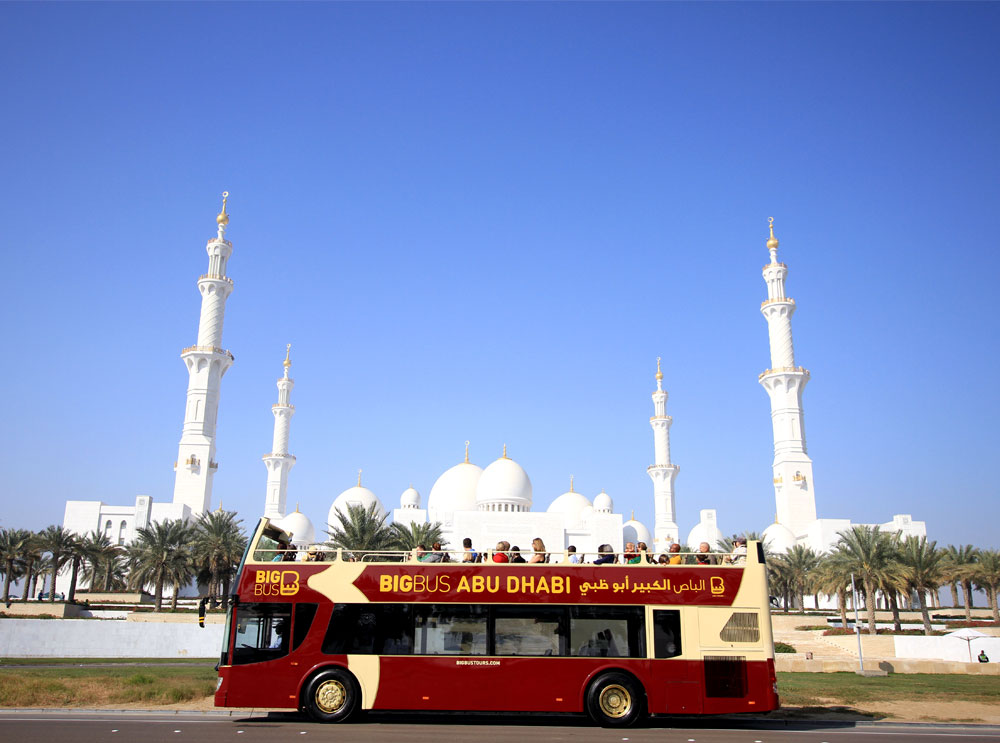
{"points": [[504, 486], [455, 490]]}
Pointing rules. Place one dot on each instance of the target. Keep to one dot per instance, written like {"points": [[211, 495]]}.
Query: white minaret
{"points": [[279, 461], [206, 363], [663, 472], [793, 476]]}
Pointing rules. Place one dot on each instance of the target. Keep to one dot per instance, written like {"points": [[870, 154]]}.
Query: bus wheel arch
{"points": [[615, 698], [331, 694]]}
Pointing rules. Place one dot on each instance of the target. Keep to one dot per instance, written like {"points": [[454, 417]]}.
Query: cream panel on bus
{"points": [[366, 669], [337, 583]]}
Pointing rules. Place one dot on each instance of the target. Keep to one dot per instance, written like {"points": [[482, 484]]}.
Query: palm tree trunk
{"points": [[71, 596], [55, 572], [954, 594], [842, 602], [993, 603], [969, 602], [923, 611], [8, 569], [159, 592], [173, 599], [816, 601], [26, 591], [870, 599], [802, 603], [894, 605]]}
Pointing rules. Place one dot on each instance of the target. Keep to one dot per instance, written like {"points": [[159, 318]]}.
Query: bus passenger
{"points": [[739, 554], [435, 555], [539, 547], [469, 554], [499, 555], [421, 553], [607, 555], [573, 557], [644, 552], [663, 560], [704, 556], [675, 554], [631, 557], [515, 554]]}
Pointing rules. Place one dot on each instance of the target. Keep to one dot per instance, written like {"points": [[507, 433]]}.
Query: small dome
{"points": [[633, 531], [504, 486], [778, 539], [571, 505], [455, 490], [410, 498], [603, 503], [299, 526], [705, 532], [356, 496]]}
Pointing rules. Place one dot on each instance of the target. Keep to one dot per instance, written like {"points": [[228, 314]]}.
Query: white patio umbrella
{"points": [[968, 634]]}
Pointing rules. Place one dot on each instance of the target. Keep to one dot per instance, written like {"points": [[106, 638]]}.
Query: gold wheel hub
{"points": [[615, 700], [331, 696]]}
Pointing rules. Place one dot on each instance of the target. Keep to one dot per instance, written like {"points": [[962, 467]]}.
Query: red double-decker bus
{"points": [[387, 632]]}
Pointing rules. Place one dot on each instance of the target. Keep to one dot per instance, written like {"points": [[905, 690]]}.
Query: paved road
{"points": [[87, 727]]}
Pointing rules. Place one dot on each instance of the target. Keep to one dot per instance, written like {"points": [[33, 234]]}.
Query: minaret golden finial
{"points": [[466, 452], [505, 451], [288, 356], [571, 484], [296, 506], [219, 509], [659, 372], [772, 243], [223, 218], [632, 517], [359, 478]]}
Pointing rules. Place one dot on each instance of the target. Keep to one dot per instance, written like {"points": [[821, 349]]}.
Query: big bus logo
{"points": [[276, 583]]}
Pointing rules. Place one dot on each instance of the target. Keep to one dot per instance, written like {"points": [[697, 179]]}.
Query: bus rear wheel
{"points": [[332, 696], [615, 700]]}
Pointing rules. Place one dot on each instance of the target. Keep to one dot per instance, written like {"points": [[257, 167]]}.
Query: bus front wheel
{"points": [[332, 696], [615, 700]]}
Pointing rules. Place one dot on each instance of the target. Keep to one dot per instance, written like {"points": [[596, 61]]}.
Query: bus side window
{"points": [[304, 615], [451, 629], [530, 630], [369, 629], [262, 632], [666, 633], [608, 631]]}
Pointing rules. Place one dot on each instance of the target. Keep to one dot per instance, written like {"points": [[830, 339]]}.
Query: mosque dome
{"points": [[410, 499], [455, 489], [356, 496], [705, 532], [603, 503], [633, 531], [504, 486], [571, 505], [778, 538], [299, 526]]}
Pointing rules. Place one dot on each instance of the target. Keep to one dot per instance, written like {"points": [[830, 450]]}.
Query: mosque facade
{"points": [[492, 503]]}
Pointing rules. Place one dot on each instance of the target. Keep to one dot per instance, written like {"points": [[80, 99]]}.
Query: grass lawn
{"points": [[816, 689], [103, 661], [93, 687]]}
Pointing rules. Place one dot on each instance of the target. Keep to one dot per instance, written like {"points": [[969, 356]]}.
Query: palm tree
{"points": [[867, 552], [797, 565], [31, 555], [152, 553], [923, 569], [361, 530], [219, 544], [960, 567], [406, 538], [987, 577], [100, 556], [60, 543], [832, 578], [13, 544], [181, 569]]}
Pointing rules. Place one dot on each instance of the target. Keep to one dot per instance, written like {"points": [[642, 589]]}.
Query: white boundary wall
{"points": [[946, 648], [81, 638]]}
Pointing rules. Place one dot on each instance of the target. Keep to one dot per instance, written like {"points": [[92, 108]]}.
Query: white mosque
{"points": [[492, 503]]}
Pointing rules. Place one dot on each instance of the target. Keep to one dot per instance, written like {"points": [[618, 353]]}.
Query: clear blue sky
{"points": [[485, 222]]}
